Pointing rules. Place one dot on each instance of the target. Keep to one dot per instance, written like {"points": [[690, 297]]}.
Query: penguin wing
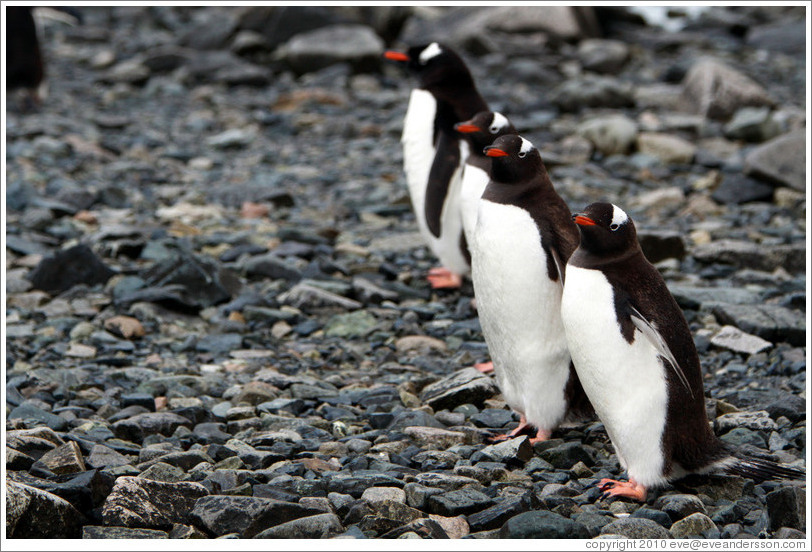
{"points": [[650, 332], [558, 265], [447, 161]]}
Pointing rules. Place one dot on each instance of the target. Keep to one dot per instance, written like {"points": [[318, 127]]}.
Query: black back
{"points": [[24, 65]]}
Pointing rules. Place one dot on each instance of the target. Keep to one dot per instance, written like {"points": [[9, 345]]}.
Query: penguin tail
{"points": [[759, 469]]}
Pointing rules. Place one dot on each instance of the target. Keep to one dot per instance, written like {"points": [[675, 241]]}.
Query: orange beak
{"points": [[395, 56], [466, 128], [582, 220], [491, 151]]}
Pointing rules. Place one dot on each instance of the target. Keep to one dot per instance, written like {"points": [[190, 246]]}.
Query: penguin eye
{"points": [[614, 227], [522, 154], [494, 129]]}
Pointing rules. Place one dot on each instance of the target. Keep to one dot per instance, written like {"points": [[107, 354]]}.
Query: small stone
{"points": [[602, 56], [379, 494], [125, 326], [678, 506], [542, 525], [666, 147], [435, 438], [717, 91], [64, 459], [320, 526], [460, 502], [101, 532], [611, 134], [636, 528], [756, 421], [697, 525], [420, 343], [246, 515], [464, 386], [455, 527], [564, 457], [782, 160], [513, 452], [351, 325]]}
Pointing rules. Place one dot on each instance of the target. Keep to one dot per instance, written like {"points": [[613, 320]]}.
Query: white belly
{"points": [[519, 310], [626, 384], [418, 156], [474, 182]]}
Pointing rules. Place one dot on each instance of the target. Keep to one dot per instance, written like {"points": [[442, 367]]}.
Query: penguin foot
{"points": [[541, 436], [484, 367], [523, 427], [629, 489], [443, 278]]}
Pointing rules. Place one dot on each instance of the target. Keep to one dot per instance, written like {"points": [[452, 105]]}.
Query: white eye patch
{"points": [[619, 216], [499, 122], [430, 51], [527, 145]]}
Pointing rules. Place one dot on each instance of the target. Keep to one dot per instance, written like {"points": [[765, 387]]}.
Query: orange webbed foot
{"points": [[629, 489], [484, 367], [443, 278]]}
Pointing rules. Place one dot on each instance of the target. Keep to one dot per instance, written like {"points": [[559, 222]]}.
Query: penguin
{"points": [[523, 237], [434, 154], [479, 132], [24, 62], [636, 359]]}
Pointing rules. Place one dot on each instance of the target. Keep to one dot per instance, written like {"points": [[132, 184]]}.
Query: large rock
{"points": [[603, 56], [636, 528], [69, 267], [658, 245], [279, 23], [542, 525], [733, 339], [137, 502], [464, 386], [666, 147], [610, 134], [697, 525], [678, 506], [717, 91], [755, 421], [356, 45], [786, 508], [782, 160], [460, 502], [245, 515], [35, 514], [64, 459], [770, 322], [320, 526], [745, 254], [590, 91], [135, 428]]}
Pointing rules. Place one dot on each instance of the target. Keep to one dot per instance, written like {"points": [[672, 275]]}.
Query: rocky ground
{"points": [[217, 322]]}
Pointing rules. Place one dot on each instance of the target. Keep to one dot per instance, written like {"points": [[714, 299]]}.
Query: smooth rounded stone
{"points": [[350, 325], [436, 460], [542, 525], [610, 134], [771, 322], [749, 255], [756, 421], [791, 407], [659, 245], [667, 148], [127, 72], [786, 507], [356, 45], [602, 55], [139, 502], [28, 411], [68, 268], [495, 516], [660, 517], [219, 343], [245, 515], [592, 91], [678, 506], [492, 417], [738, 189], [789, 533], [741, 436], [34, 513], [697, 525], [781, 161], [564, 457], [715, 90], [140, 426], [140, 399], [420, 343], [436, 439], [102, 532], [636, 528], [460, 502], [462, 387], [379, 494], [320, 526], [752, 124], [413, 418], [513, 452], [64, 459]]}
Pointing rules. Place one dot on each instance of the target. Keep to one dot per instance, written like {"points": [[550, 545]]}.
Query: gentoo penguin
{"points": [[433, 153], [638, 364], [522, 240], [25, 67], [479, 132]]}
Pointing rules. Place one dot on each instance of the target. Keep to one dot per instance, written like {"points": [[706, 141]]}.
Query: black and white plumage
{"points": [[523, 235], [434, 154], [636, 359]]}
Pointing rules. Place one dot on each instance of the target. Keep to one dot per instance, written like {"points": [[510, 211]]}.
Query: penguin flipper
{"points": [[760, 469], [650, 331]]}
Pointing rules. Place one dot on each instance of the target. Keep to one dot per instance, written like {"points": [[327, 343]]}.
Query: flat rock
{"points": [[245, 515], [350, 325], [602, 55], [28, 411], [32, 513], [495, 516], [610, 134], [636, 528], [64, 459], [69, 267], [591, 91], [678, 506], [356, 45], [668, 148], [771, 322], [542, 525], [755, 421], [780, 161], [102, 532], [659, 245], [435, 438], [733, 339], [464, 386], [745, 254], [319, 526], [696, 298], [513, 452], [716, 90], [139, 426], [460, 502], [137, 502], [564, 457], [697, 525]]}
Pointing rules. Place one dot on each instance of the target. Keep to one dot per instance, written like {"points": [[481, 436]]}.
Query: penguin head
{"points": [[605, 229], [513, 159], [435, 64], [484, 128]]}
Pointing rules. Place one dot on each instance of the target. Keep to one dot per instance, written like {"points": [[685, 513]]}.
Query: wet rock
{"points": [[320, 526], [464, 386], [786, 508], [697, 525], [356, 45], [68, 268], [542, 525], [714, 89], [781, 161], [636, 528], [245, 515], [732, 338], [33, 513]]}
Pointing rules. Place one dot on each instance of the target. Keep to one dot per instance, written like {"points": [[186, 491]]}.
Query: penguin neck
{"points": [[461, 102], [583, 258]]}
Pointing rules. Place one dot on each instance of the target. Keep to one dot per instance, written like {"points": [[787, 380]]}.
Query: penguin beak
{"points": [[582, 220], [466, 128], [491, 151], [395, 56]]}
